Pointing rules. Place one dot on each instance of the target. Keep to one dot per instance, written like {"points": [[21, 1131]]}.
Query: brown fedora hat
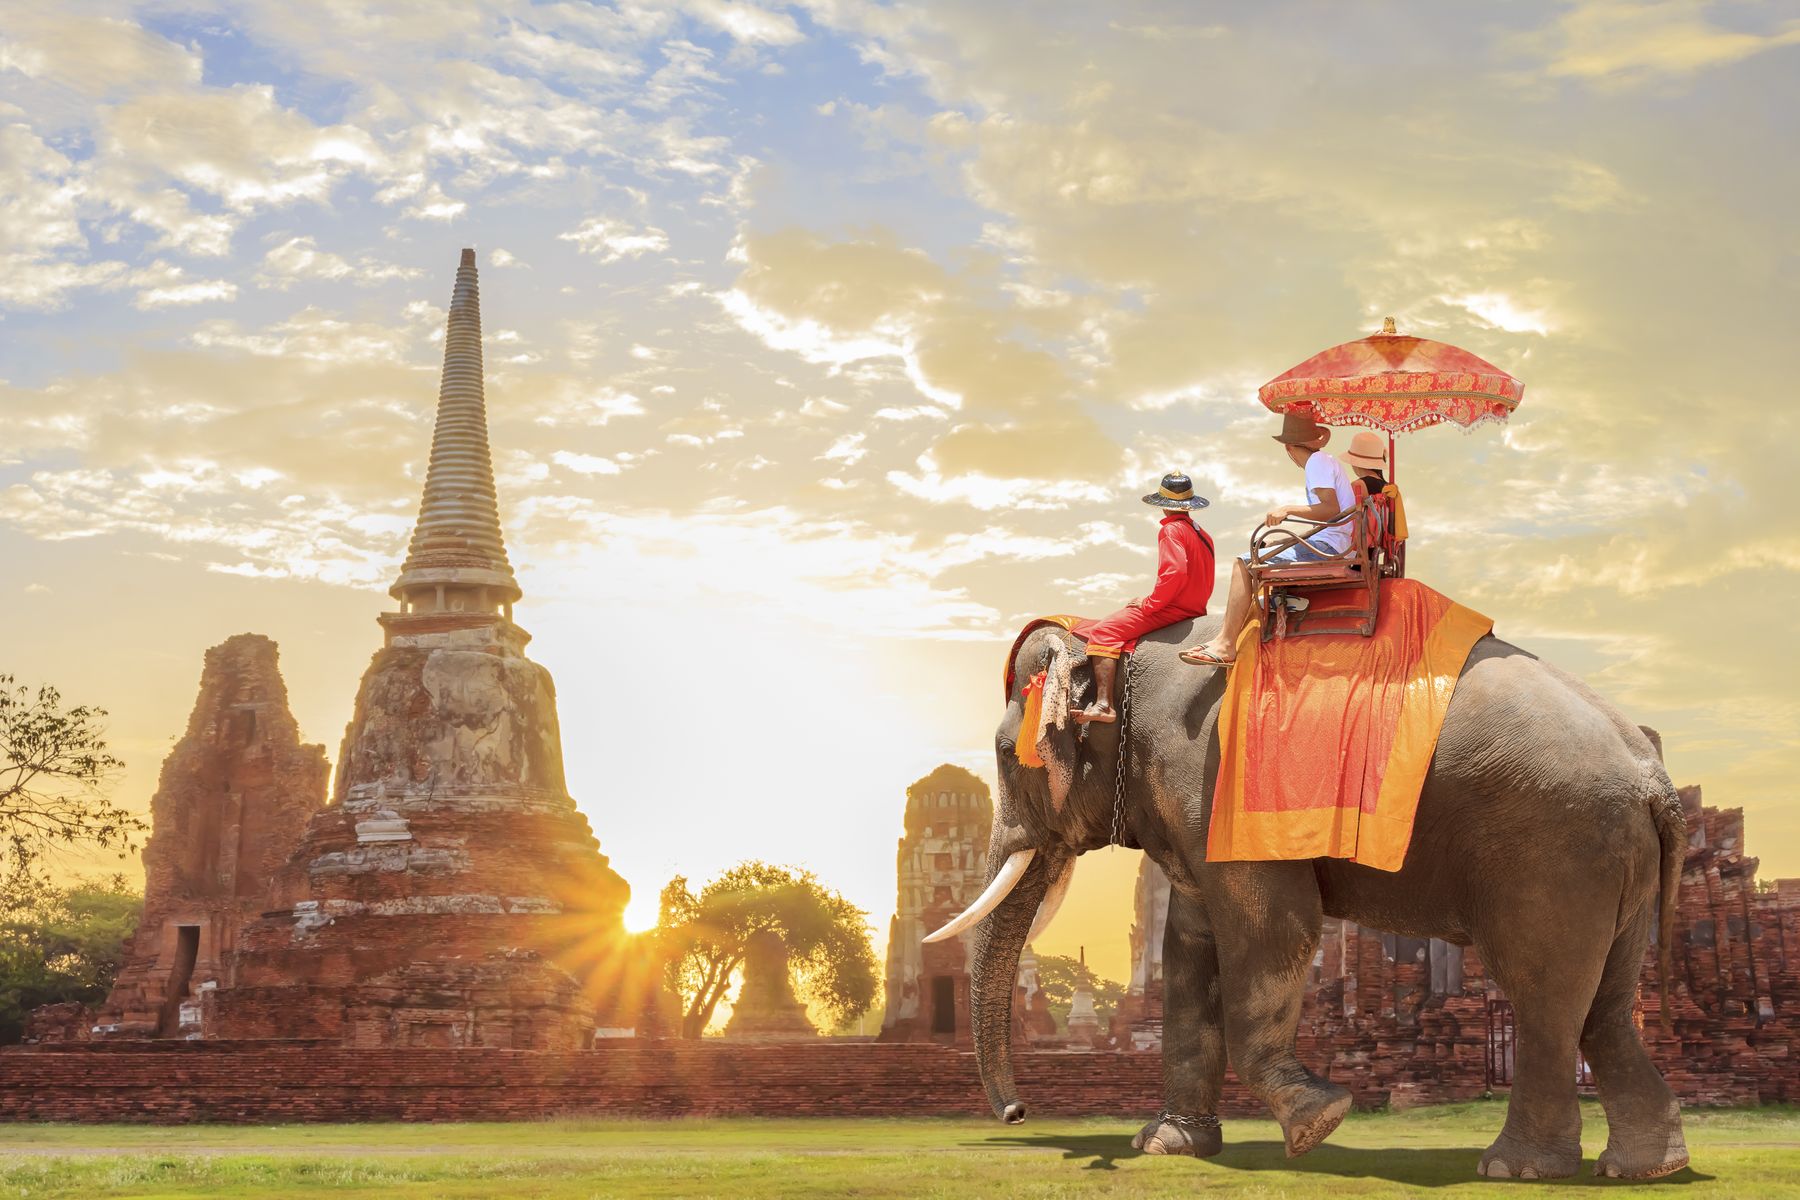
{"points": [[1299, 429]]}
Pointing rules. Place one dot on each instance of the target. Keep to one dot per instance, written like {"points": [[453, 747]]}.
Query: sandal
{"points": [[1199, 656]]}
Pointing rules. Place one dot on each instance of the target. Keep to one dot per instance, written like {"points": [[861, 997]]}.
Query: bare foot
{"points": [[1096, 714]]}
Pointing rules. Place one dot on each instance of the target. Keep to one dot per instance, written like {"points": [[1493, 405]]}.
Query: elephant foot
{"points": [[1312, 1116], [1166, 1133], [1619, 1161], [1508, 1158]]}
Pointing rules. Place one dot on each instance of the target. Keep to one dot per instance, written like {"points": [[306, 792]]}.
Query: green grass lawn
{"points": [[1736, 1153]]}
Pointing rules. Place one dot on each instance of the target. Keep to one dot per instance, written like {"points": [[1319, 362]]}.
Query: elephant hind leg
{"points": [[1643, 1119], [1542, 1135]]}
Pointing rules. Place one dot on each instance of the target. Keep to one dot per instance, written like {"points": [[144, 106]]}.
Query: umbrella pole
{"points": [[1393, 467]]}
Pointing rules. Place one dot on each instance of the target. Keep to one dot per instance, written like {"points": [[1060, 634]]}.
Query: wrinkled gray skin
{"points": [[1546, 830]]}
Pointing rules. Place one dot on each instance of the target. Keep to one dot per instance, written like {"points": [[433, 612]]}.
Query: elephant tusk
{"points": [[1004, 880], [1059, 887]]}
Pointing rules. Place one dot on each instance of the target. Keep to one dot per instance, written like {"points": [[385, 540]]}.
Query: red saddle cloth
{"points": [[1062, 621], [1325, 740], [1079, 626]]}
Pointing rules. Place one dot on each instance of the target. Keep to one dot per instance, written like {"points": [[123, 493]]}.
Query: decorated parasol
{"points": [[1394, 382]]}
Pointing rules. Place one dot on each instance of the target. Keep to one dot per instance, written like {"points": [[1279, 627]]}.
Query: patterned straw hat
{"points": [[1177, 491]]}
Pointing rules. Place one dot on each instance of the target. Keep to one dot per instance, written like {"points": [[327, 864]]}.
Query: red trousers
{"points": [[1111, 636]]}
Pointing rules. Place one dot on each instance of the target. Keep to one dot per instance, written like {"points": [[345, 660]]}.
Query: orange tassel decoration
{"points": [[1026, 748]]}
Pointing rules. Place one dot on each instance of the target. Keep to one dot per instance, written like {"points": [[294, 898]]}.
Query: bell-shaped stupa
{"points": [[451, 844]]}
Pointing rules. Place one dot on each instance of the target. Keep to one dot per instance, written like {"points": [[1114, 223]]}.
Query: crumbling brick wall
{"points": [[233, 797], [1735, 1000]]}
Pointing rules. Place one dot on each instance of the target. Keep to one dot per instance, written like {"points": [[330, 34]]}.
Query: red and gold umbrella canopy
{"points": [[1394, 382]]}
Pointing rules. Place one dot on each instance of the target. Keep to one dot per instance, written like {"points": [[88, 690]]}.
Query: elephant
{"points": [[1547, 835]]}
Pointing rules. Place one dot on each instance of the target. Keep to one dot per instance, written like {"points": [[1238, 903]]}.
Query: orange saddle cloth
{"points": [[1325, 740]]}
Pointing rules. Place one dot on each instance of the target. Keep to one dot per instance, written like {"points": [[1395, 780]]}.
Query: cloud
{"points": [[313, 335], [238, 145], [91, 54], [748, 22], [1626, 43], [197, 291], [35, 283], [988, 493], [610, 240], [848, 450], [1502, 312], [586, 464], [41, 241], [299, 258], [38, 213], [844, 301]]}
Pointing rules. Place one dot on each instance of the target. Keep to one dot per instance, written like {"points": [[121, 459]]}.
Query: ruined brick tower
{"points": [[452, 890], [942, 867], [233, 797]]}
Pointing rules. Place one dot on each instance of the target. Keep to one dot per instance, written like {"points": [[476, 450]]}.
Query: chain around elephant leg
{"points": [[1178, 1133]]}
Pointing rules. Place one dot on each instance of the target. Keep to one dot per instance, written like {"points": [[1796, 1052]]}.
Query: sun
{"points": [[640, 913]]}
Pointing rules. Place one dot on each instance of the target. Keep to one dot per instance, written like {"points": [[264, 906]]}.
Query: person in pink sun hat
{"points": [[1368, 458]]}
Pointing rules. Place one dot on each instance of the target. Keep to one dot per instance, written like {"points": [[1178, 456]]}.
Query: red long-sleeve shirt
{"points": [[1184, 570]]}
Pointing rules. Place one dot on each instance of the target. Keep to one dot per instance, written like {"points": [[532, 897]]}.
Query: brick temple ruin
{"points": [[451, 894], [233, 797], [940, 868]]}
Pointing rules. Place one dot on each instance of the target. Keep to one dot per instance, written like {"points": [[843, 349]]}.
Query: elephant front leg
{"points": [[1193, 1039], [1266, 918]]}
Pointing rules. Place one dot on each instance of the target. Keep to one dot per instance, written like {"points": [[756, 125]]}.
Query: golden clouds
{"points": [[115, 54], [1016, 414], [237, 144], [1623, 43]]}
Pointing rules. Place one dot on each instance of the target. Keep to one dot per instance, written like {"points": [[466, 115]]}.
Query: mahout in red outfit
{"points": [[1184, 583]]}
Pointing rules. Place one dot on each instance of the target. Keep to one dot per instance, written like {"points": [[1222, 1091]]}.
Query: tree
{"points": [[704, 938], [54, 770], [1060, 976], [61, 943]]}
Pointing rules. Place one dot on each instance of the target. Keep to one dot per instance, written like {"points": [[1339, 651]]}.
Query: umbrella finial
{"points": [[1387, 326]]}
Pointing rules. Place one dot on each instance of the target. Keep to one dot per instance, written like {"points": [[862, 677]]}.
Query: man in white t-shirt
{"points": [[1329, 494]]}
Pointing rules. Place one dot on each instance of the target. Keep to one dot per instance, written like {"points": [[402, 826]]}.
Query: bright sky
{"points": [[828, 341]]}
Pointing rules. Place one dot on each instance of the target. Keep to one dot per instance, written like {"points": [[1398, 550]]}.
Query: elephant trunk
{"points": [[999, 940]]}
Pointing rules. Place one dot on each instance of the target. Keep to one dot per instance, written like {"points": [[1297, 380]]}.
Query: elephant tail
{"points": [[1671, 833]]}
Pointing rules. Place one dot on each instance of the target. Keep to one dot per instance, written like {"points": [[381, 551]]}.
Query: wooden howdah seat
{"points": [[1374, 554]]}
